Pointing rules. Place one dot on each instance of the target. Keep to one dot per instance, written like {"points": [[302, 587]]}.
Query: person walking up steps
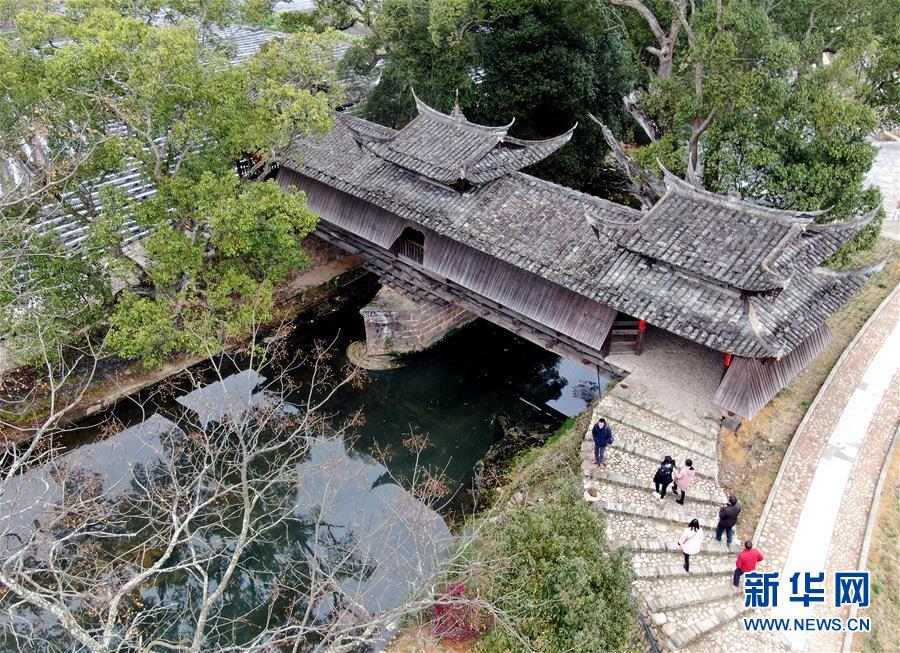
{"points": [[690, 542], [746, 562], [728, 515], [663, 476], [603, 437], [683, 479]]}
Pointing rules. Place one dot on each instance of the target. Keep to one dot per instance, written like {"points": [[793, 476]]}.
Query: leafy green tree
{"points": [[547, 63], [738, 101], [99, 89], [418, 58], [861, 40], [214, 269], [567, 591]]}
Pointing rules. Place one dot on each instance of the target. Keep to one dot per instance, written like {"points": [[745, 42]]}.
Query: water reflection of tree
{"points": [[201, 546]]}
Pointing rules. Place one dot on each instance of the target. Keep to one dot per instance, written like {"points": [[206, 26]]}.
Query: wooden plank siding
{"points": [[749, 383], [414, 281], [513, 294]]}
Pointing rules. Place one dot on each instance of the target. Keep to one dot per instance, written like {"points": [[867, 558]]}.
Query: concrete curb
{"points": [[870, 525], [825, 385]]}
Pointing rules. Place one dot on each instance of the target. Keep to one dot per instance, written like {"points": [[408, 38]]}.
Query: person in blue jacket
{"points": [[603, 437]]}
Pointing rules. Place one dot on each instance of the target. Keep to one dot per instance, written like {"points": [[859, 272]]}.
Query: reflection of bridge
{"points": [[441, 212]]}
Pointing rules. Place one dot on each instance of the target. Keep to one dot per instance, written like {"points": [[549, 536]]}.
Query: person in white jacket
{"points": [[690, 542]]}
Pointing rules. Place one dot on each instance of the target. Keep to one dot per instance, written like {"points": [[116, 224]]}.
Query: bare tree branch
{"points": [[641, 187]]}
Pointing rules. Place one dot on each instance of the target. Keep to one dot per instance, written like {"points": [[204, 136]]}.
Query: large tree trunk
{"points": [[647, 124]]}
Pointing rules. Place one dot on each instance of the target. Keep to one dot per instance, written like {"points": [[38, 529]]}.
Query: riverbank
{"points": [[541, 559], [118, 378]]}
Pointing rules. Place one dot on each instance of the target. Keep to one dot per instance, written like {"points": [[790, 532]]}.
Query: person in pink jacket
{"points": [[683, 479], [690, 542]]}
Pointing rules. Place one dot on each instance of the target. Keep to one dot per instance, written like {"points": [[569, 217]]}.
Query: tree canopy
{"points": [[103, 90], [775, 101], [545, 63]]}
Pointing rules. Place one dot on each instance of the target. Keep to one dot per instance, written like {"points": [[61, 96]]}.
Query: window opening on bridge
{"points": [[411, 245]]}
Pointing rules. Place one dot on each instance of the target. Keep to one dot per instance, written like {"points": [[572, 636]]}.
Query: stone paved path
{"points": [[819, 511], [817, 514]]}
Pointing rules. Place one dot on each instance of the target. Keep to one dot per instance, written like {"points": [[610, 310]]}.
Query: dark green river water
{"points": [[455, 393]]}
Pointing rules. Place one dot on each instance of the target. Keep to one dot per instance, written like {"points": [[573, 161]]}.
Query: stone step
{"points": [[654, 454], [668, 565], [664, 595], [641, 467], [710, 546], [673, 516], [619, 411], [621, 531], [631, 426], [626, 434], [595, 475], [733, 637], [707, 428], [642, 495], [689, 624]]}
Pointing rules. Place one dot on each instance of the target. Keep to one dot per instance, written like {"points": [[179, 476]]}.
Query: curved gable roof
{"points": [[449, 148]]}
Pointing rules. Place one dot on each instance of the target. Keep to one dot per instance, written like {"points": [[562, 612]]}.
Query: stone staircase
{"points": [[685, 611]]}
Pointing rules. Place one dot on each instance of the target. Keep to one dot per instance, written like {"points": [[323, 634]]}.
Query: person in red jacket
{"points": [[746, 561]]}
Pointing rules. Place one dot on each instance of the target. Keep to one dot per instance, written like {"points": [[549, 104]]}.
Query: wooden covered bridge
{"points": [[442, 213]]}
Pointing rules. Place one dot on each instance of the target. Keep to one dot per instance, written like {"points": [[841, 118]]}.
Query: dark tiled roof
{"points": [[575, 240], [449, 148], [724, 239]]}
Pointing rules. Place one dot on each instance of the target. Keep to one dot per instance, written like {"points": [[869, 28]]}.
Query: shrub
{"points": [[563, 588], [300, 21], [359, 60]]}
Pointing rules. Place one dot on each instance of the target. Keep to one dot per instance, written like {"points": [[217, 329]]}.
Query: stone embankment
{"points": [[684, 610], [332, 270]]}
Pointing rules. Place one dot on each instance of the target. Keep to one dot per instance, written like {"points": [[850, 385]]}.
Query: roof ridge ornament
{"points": [[457, 119], [734, 200], [457, 111]]}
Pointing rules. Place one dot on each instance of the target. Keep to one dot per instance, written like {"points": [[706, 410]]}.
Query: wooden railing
{"points": [[411, 250]]}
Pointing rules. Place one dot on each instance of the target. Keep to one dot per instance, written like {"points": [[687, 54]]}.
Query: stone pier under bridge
{"points": [[397, 323]]}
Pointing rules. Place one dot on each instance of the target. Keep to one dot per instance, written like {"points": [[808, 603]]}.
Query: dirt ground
{"points": [[750, 459], [884, 561]]}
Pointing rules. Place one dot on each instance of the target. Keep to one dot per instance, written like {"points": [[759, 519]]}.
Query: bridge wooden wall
{"points": [[566, 318], [750, 383]]}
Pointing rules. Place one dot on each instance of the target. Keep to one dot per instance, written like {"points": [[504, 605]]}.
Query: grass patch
{"points": [[526, 457], [884, 561]]}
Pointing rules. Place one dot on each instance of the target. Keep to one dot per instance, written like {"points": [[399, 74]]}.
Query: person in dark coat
{"points": [[603, 437], [663, 476], [728, 515]]}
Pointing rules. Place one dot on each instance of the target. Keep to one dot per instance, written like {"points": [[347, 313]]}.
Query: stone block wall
{"points": [[397, 324]]}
